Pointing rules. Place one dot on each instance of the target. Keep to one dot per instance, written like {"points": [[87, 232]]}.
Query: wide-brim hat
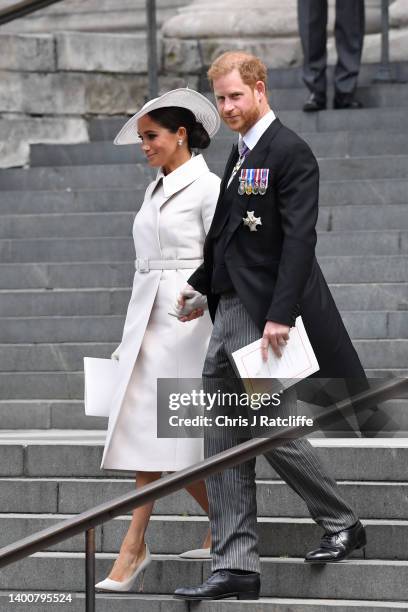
{"points": [[203, 110]]}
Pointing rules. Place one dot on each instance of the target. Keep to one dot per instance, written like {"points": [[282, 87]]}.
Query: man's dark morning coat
{"points": [[274, 269]]}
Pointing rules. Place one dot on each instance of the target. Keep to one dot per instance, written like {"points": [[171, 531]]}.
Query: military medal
{"points": [[255, 189], [249, 182], [264, 181], [251, 221], [242, 182]]}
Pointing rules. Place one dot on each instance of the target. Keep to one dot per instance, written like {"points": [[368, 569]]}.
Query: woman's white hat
{"points": [[204, 111]]}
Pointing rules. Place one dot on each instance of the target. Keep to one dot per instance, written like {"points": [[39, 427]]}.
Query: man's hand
{"points": [[181, 303], [275, 334]]}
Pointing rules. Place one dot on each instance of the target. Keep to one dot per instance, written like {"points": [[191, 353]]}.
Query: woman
{"points": [[169, 232]]}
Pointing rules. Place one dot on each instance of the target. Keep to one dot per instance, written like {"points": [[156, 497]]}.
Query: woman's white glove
{"points": [[193, 300]]}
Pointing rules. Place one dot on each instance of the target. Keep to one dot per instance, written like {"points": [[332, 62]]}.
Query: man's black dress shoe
{"points": [[342, 100], [222, 584], [336, 547], [314, 103]]}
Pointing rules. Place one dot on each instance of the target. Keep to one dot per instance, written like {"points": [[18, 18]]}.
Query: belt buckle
{"points": [[142, 265]]}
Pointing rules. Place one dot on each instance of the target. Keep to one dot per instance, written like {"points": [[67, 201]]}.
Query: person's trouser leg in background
{"points": [[232, 493], [312, 16], [349, 35]]}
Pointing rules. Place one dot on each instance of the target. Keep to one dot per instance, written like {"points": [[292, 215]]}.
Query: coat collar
{"points": [[182, 176]]}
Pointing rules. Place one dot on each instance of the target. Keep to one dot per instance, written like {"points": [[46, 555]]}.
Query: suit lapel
{"points": [[220, 211], [228, 168]]}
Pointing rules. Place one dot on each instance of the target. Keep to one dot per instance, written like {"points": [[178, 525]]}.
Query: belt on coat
{"points": [[143, 265]]}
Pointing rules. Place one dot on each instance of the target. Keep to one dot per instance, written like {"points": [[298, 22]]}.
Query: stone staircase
{"points": [[74, 58], [65, 272]]}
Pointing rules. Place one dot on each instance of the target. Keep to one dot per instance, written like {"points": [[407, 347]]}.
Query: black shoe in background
{"points": [[346, 100], [338, 546], [222, 584], [315, 103]]}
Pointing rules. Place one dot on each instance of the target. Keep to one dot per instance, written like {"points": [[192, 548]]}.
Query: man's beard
{"points": [[247, 120]]}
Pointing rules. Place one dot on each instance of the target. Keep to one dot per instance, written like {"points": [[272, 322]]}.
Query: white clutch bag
{"points": [[101, 380]]}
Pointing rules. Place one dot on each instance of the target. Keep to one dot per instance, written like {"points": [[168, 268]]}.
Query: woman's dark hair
{"points": [[174, 117]]}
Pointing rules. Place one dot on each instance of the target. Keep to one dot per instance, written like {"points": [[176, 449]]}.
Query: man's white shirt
{"points": [[253, 135], [251, 138]]}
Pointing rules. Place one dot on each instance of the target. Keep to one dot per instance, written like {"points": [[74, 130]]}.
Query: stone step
{"points": [[106, 249], [89, 15], [370, 296], [126, 175], [80, 93], [71, 201], [339, 269], [291, 78], [63, 302], [77, 454], [64, 414], [113, 274], [67, 496], [68, 357], [329, 121], [69, 385], [88, 200], [55, 329], [114, 301], [372, 579], [119, 224], [375, 95], [158, 603], [17, 133], [174, 534], [340, 144], [55, 414]]}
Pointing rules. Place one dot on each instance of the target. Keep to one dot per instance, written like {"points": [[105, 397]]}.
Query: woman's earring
{"points": [[180, 142]]}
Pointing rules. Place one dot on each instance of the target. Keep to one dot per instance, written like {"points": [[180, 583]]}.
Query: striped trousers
{"points": [[232, 493]]}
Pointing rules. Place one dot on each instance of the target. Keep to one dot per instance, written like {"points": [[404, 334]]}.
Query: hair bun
{"points": [[198, 137]]}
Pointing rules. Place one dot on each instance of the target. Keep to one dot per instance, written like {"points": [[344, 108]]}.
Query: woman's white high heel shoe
{"points": [[122, 587], [197, 553]]}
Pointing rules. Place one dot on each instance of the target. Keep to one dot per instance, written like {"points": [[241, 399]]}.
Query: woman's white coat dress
{"points": [[171, 224]]}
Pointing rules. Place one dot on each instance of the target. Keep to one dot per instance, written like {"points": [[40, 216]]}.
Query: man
{"points": [[259, 273], [349, 35]]}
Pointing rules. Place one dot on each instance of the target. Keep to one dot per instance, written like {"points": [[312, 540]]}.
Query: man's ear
{"points": [[260, 89]]}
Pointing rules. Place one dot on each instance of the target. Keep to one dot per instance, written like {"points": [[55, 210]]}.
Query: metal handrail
{"points": [[87, 521], [152, 57], [384, 73], [21, 9]]}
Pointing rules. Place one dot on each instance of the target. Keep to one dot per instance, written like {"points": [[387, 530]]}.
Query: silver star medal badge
{"points": [[251, 221]]}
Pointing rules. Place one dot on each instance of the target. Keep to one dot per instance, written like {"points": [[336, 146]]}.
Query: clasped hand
{"points": [[190, 304]]}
